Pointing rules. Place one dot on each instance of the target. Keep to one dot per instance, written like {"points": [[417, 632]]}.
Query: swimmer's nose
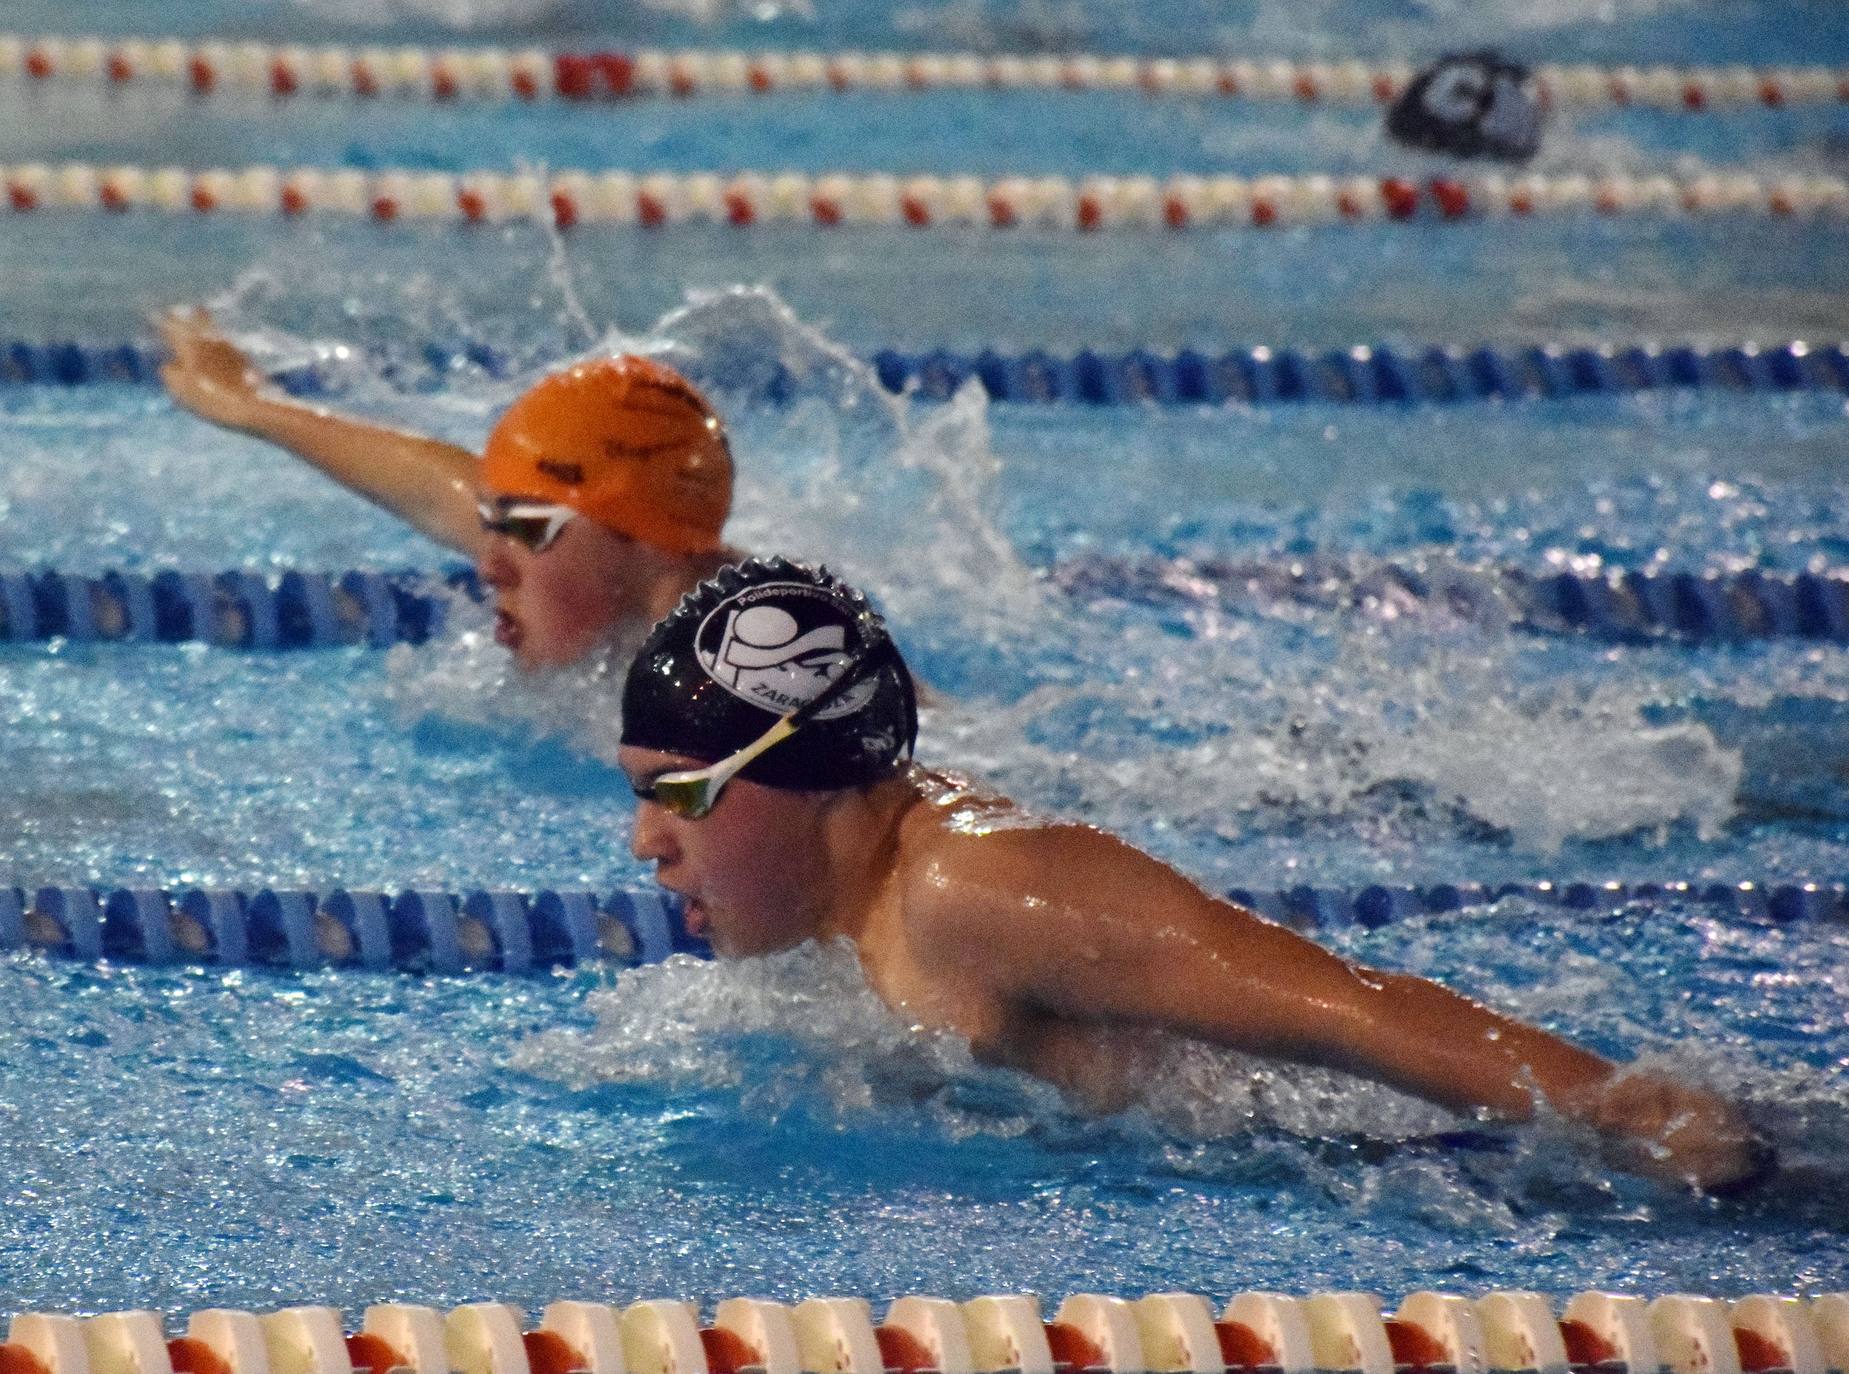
{"points": [[495, 566], [652, 841]]}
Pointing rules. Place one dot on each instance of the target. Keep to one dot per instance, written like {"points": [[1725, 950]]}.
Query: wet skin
{"points": [[553, 608], [1058, 949]]}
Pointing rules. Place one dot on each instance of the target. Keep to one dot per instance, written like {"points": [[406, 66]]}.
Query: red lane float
{"points": [[1094, 204], [1177, 1333], [283, 72]]}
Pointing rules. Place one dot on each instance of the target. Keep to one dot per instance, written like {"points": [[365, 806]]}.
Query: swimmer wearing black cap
{"points": [[768, 725]]}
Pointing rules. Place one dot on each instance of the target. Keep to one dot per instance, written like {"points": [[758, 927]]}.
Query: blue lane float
{"points": [[451, 933], [305, 610], [1381, 375], [243, 609], [416, 930], [1627, 606]]}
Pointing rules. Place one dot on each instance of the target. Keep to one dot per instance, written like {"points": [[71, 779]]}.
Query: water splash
{"points": [[798, 1043], [713, 13], [1386, 722], [803, 1030], [1265, 726], [808, 1014], [468, 678]]}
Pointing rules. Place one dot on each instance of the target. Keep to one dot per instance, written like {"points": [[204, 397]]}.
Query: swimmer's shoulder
{"points": [[948, 854], [975, 870], [955, 820], [969, 858]]}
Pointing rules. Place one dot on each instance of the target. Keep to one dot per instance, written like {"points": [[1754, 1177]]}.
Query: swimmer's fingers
{"points": [[183, 327], [192, 338], [1680, 1134], [195, 343], [205, 372]]}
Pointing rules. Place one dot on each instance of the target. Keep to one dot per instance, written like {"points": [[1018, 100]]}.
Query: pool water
{"points": [[194, 1138], [180, 1138], [1264, 742]]}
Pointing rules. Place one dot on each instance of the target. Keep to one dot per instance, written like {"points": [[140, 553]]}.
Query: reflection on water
{"points": [[180, 1138]]}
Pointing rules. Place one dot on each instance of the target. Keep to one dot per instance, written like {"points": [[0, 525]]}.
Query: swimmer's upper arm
{"points": [[429, 483], [1070, 921], [1075, 921]]}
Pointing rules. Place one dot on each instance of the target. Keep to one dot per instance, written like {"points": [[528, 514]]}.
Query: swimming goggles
{"points": [[535, 525], [692, 793]]}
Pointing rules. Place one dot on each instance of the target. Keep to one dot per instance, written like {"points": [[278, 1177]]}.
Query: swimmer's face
{"points": [[744, 868], [555, 606]]}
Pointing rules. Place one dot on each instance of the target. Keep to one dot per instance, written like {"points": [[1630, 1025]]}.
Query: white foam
{"points": [[1547, 763], [465, 676], [808, 1014], [1418, 723], [804, 1029]]}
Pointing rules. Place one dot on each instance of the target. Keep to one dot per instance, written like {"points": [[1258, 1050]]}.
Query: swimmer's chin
{"points": [[530, 658]]}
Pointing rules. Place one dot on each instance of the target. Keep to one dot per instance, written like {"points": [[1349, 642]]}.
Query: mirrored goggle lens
{"points": [[687, 795], [537, 527]]}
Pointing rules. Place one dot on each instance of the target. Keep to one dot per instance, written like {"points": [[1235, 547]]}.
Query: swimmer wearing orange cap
{"points": [[597, 502]]}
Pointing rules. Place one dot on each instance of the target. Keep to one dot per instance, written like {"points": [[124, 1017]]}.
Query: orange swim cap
{"points": [[623, 441]]}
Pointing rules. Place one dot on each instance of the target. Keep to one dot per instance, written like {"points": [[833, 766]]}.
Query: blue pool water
{"points": [[184, 1137]]}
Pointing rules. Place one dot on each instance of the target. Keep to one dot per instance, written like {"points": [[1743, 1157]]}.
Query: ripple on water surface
{"points": [[183, 1138]]}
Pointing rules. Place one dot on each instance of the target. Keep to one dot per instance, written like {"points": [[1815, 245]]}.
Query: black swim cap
{"points": [[1474, 104], [746, 648]]}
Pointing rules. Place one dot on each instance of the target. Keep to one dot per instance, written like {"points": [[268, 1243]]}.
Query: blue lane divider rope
{"points": [[1628, 605], [303, 610], [242, 609], [1380, 375], [414, 931], [516, 932]]}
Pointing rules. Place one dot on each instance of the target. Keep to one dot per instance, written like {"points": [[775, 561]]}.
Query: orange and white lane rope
{"points": [[487, 73], [1499, 1332], [569, 199]]}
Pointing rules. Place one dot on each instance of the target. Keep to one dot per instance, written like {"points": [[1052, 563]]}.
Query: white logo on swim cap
{"points": [[778, 646]]}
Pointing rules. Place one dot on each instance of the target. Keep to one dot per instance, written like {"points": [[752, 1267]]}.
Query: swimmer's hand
{"points": [[1675, 1133], [207, 373], [426, 481]]}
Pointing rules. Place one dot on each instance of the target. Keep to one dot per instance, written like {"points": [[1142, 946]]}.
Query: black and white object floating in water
{"points": [[1470, 105]]}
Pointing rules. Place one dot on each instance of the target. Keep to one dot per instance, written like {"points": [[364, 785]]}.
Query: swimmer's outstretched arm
{"points": [[424, 481], [1073, 922]]}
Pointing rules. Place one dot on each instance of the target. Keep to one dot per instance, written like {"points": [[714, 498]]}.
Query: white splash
{"points": [[1247, 722], [804, 1028], [712, 13], [798, 1027], [465, 676], [1552, 771]]}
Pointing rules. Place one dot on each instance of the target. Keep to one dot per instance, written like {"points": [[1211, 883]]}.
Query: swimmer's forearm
{"points": [[1444, 1047], [427, 482], [1453, 1051]]}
